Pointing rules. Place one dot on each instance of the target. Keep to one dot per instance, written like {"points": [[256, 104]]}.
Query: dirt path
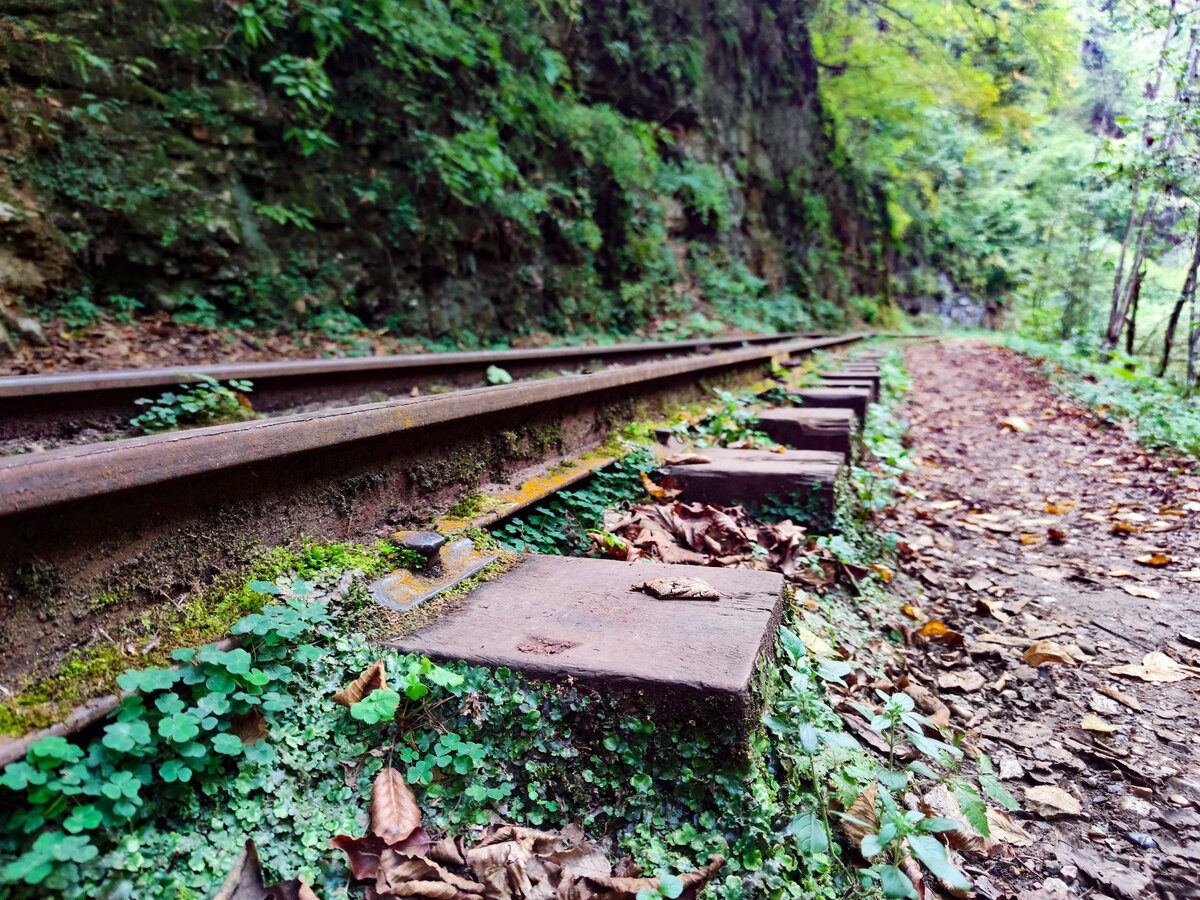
{"points": [[1037, 523]]}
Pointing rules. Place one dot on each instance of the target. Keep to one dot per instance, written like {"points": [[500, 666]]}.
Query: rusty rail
{"points": [[56, 405]]}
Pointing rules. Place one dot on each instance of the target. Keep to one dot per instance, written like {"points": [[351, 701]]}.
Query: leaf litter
{"points": [[1031, 556]]}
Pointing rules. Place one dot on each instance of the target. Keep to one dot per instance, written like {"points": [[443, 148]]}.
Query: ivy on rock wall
{"points": [[443, 168]]}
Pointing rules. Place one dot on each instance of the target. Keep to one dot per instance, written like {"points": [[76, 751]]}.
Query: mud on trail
{"points": [[1059, 555]]}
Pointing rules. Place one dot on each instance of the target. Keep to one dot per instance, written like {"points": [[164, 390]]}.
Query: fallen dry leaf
{"points": [[394, 811], [813, 642], [250, 726], [245, 881], [1140, 590], [883, 572], [688, 459], [861, 819], [1046, 573], [1120, 573], [1109, 690], [372, 678], [965, 680], [1153, 559], [1051, 802], [937, 631], [927, 702], [1015, 423], [395, 825], [940, 802], [1004, 827], [678, 588], [1042, 652], [1157, 667], [668, 490], [993, 608], [1092, 722]]}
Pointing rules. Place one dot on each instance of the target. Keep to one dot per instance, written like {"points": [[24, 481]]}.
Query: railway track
{"points": [[150, 520], [56, 406]]}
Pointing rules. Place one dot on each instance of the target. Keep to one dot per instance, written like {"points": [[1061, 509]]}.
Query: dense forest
{"points": [[464, 172]]}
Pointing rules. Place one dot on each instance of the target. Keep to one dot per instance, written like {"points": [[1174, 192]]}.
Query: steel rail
{"points": [[54, 405], [36, 481]]}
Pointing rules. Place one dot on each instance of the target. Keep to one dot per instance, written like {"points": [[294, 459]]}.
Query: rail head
{"points": [[20, 386]]}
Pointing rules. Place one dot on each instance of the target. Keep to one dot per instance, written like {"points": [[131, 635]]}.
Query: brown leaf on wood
{"points": [[688, 459], [1002, 827], [244, 881], [373, 678], [250, 726], [394, 811], [966, 680], [1153, 559], [941, 802], [677, 588], [401, 875], [927, 702]]}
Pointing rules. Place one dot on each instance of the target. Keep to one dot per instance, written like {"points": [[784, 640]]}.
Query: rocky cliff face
{"points": [[472, 170]]}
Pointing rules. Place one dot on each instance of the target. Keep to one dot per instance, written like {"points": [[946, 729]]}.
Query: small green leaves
{"points": [[229, 744], [808, 830], [378, 706], [263, 587], [642, 782], [122, 784], [20, 775], [51, 847], [175, 770], [895, 883], [52, 751], [496, 375], [932, 853], [148, 679], [669, 886], [83, 818], [179, 727], [973, 808], [443, 677], [124, 736]]}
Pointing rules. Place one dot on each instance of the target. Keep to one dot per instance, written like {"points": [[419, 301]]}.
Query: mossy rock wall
{"points": [[465, 171]]}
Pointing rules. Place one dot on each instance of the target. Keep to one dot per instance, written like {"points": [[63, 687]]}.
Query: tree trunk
{"points": [[1193, 344], [1116, 318], [1131, 326], [1187, 293]]}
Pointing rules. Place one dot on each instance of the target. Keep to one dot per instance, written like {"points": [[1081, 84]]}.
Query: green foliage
{"points": [[561, 524], [720, 425], [206, 403], [1162, 415], [497, 375]]}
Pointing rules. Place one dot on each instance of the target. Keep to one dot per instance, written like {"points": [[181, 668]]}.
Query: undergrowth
{"points": [[1163, 416]]}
